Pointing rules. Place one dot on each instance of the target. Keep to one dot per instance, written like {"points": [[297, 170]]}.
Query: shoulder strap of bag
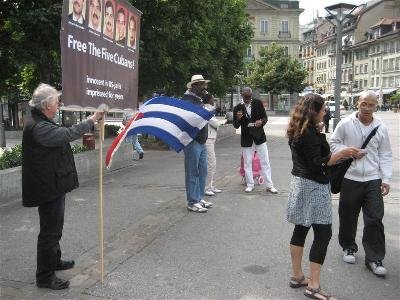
{"points": [[370, 136]]}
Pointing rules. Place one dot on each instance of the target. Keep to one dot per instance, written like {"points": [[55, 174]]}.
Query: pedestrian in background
{"points": [[48, 173], [213, 124], [251, 117], [133, 139], [309, 201], [327, 118], [364, 184], [196, 152]]}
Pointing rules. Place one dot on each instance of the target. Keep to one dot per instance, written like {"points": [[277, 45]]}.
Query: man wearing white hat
{"points": [[196, 152]]}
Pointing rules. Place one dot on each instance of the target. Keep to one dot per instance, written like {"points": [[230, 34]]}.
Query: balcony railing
{"points": [[284, 34]]}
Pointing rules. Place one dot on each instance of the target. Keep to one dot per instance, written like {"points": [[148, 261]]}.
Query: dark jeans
{"points": [[48, 248], [367, 196], [322, 236]]}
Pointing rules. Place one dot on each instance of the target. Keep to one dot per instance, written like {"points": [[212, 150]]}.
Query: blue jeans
{"points": [[195, 171], [135, 142]]}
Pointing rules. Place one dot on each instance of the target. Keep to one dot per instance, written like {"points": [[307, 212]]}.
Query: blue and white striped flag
{"points": [[174, 121]]}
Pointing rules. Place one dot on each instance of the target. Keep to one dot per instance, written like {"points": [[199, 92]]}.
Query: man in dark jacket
{"points": [[327, 118], [48, 173], [250, 115], [196, 152]]}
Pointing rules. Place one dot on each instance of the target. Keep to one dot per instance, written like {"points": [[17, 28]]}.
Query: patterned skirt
{"points": [[309, 202]]}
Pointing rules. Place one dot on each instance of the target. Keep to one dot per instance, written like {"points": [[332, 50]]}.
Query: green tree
{"points": [[30, 47], [276, 72], [180, 38]]}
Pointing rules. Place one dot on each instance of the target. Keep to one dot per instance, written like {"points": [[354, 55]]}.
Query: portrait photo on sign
{"points": [[95, 13], [132, 31], [120, 34], [109, 18], [76, 11]]}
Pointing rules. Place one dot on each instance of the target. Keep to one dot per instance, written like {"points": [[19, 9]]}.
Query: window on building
{"points": [[391, 81], [391, 64], [377, 64], [360, 84], [286, 51], [249, 52], [398, 63], [284, 5], [264, 26], [377, 81], [384, 82], [385, 65], [285, 26], [366, 69], [372, 65], [365, 82]]}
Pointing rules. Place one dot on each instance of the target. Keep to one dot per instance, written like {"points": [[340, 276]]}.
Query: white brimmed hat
{"points": [[196, 78]]}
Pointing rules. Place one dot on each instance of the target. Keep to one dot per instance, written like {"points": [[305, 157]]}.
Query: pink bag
{"points": [[256, 167]]}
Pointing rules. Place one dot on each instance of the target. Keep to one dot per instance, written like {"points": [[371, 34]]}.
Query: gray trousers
{"points": [[367, 196]]}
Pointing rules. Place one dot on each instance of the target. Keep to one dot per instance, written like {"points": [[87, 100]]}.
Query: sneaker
{"points": [[376, 267], [141, 155], [197, 207], [249, 189], [272, 190], [209, 193], [349, 256], [205, 204], [215, 190]]}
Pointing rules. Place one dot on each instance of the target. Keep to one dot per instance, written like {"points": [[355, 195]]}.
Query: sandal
{"points": [[317, 294], [296, 283]]}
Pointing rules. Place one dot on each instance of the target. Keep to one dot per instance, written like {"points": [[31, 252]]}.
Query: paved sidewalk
{"points": [[156, 249]]}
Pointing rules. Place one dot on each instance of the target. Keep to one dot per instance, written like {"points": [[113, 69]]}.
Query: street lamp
{"points": [[338, 12]]}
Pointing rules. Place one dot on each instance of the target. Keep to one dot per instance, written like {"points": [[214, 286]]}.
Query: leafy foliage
{"points": [[275, 72], [30, 47], [11, 158], [179, 38], [77, 148], [111, 130], [395, 98]]}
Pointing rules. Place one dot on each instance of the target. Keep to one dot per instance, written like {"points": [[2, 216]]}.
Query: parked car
{"points": [[332, 108]]}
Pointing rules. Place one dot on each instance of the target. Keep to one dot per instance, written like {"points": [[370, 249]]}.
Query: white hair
{"points": [[43, 95], [247, 89], [368, 95]]}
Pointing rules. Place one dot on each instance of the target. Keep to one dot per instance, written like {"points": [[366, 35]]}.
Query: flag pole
{"points": [[101, 233]]}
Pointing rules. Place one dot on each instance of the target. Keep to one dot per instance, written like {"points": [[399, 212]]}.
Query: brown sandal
{"points": [[317, 294], [296, 283]]}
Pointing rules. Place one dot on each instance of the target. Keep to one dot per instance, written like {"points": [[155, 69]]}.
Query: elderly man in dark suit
{"points": [[250, 115]]}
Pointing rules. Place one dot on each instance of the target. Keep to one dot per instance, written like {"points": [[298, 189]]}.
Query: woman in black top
{"points": [[309, 202]]}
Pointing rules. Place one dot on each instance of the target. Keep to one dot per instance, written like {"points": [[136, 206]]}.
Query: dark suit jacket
{"points": [[71, 18], [257, 113]]}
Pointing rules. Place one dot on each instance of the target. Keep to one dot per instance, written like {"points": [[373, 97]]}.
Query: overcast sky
{"points": [[312, 6]]}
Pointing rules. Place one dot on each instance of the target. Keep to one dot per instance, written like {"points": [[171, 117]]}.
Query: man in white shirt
{"points": [[364, 184], [78, 6]]}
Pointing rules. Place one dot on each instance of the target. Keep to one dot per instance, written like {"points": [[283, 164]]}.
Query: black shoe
{"points": [[54, 284], [65, 265], [141, 155]]}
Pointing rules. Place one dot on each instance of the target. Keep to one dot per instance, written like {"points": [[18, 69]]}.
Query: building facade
{"points": [[274, 22], [370, 44]]}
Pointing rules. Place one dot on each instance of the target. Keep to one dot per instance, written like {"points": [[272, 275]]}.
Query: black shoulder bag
{"points": [[339, 170]]}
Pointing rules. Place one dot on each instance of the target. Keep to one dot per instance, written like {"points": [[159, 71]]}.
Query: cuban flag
{"points": [[174, 121]]}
